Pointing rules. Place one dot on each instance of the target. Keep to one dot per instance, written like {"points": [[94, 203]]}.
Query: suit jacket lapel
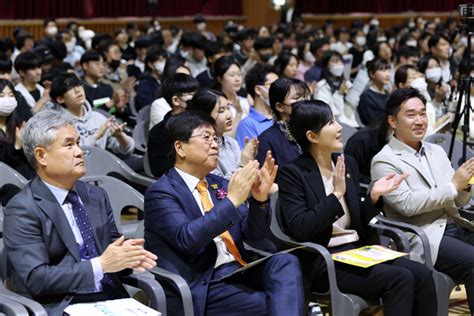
{"points": [[313, 177], [50, 206], [91, 205], [185, 193], [408, 157]]}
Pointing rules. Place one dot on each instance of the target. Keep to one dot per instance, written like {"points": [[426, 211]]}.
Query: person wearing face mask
{"points": [[213, 51], [50, 30], [262, 53], [74, 51], [408, 76], [438, 91], [13, 113], [200, 23], [149, 83], [260, 118], [357, 50], [333, 87], [283, 93]]}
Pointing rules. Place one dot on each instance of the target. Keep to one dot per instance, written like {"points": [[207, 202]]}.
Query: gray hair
{"points": [[40, 131]]}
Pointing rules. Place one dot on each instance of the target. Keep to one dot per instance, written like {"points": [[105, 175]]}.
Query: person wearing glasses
{"points": [[197, 222], [216, 104]]}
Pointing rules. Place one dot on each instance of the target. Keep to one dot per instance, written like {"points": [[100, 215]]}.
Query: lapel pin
{"points": [[348, 176]]}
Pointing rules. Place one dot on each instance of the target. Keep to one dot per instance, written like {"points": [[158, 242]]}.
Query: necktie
{"points": [[226, 237], [89, 249]]}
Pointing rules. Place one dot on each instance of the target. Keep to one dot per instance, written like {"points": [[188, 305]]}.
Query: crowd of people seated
{"points": [[231, 119]]}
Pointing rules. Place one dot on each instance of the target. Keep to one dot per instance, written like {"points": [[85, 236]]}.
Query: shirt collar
{"points": [[59, 193], [190, 180], [420, 152], [259, 117]]}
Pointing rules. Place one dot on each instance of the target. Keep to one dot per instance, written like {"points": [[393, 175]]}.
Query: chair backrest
{"points": [[11, 176], [102, 162], [146, 165], [347, 132], [140, 135], [121, 195], [444, 140], [144, 113]]}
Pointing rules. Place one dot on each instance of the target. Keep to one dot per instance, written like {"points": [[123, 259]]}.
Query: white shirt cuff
{"points": [[98, 273], [453, 189]]}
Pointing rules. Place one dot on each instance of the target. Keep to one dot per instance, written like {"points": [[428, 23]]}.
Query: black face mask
{"points": [[265, 57], [114, 63]]}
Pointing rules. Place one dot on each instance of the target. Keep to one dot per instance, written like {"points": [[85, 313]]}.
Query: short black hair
{"points": [[46, 21], [21, 39], [395, 101], [205, 101], [401, 75], [222, 65], [308, 115], [263, 43], [424, 61], [153, 54], [280, 88], [62, 84], [434, 40], [172, 64], [91, 55], [283, 60], [26, 61], [5, 64], [177, 85], [257, 76], [376, 64], [317, 44], [407, 51], [180, 128], [198, 41]]}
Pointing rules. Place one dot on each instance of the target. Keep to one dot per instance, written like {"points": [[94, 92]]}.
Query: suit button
{"points": [[204, 282]]}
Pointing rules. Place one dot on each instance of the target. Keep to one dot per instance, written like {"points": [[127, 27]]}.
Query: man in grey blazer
{"points": [[61, 241], [432, 193]]}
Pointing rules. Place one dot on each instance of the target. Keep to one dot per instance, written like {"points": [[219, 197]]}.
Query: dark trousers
{"points": [[456, 258], [274, 287], [405, 287]]}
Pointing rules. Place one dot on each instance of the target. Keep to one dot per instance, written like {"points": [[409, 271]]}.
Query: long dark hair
{"points": [[21, 114]]}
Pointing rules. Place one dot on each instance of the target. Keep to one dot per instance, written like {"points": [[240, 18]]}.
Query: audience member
{"points": [[52, 255], [320, 203], [257, 82], [197, 222], [176, 91], [432, 193]]}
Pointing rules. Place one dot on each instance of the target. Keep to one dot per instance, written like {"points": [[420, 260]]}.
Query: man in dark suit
{"points": [[61, 241], [289, 13], [197, 222]]}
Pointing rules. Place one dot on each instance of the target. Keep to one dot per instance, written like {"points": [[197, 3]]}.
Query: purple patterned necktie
{"points": [[89, 249]]}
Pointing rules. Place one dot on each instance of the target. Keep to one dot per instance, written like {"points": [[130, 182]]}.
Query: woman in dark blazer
{"points": [[319, 196]]}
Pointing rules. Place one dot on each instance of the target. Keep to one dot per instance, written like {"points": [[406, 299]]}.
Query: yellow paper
{"points": [[367, 256], [471, 181]]}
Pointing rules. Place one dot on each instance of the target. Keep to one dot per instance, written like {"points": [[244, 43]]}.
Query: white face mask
{"points": [[419, 84], [184, 54], [160, 66], [52, 30], [265, 99], [309, 57], [336, 70], [464, 41], [361, 40], [201, 26], [411, 43], [381, 39], [433, 74], [70, 46], [7, 105]]}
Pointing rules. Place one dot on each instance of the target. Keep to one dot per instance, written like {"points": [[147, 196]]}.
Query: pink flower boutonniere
{"points": [[221, 193]]}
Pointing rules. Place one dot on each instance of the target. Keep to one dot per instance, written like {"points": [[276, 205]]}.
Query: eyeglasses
{"points": [[208, 138]]}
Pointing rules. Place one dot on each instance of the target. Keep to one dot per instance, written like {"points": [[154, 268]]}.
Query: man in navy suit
{"points": [[61, 241], [190, 227]]}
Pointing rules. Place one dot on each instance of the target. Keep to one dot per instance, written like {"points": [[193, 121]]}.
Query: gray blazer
{"points": [[419, 200], [43, 256]]}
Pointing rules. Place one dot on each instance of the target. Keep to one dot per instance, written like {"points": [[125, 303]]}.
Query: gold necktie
{"points": [[226, 237]]}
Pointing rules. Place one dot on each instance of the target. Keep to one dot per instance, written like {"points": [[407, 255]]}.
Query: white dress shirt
{"points": [[223, 255], [60, 195]]}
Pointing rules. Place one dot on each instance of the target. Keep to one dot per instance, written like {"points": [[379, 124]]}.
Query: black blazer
{"points": [[307, 213]]}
